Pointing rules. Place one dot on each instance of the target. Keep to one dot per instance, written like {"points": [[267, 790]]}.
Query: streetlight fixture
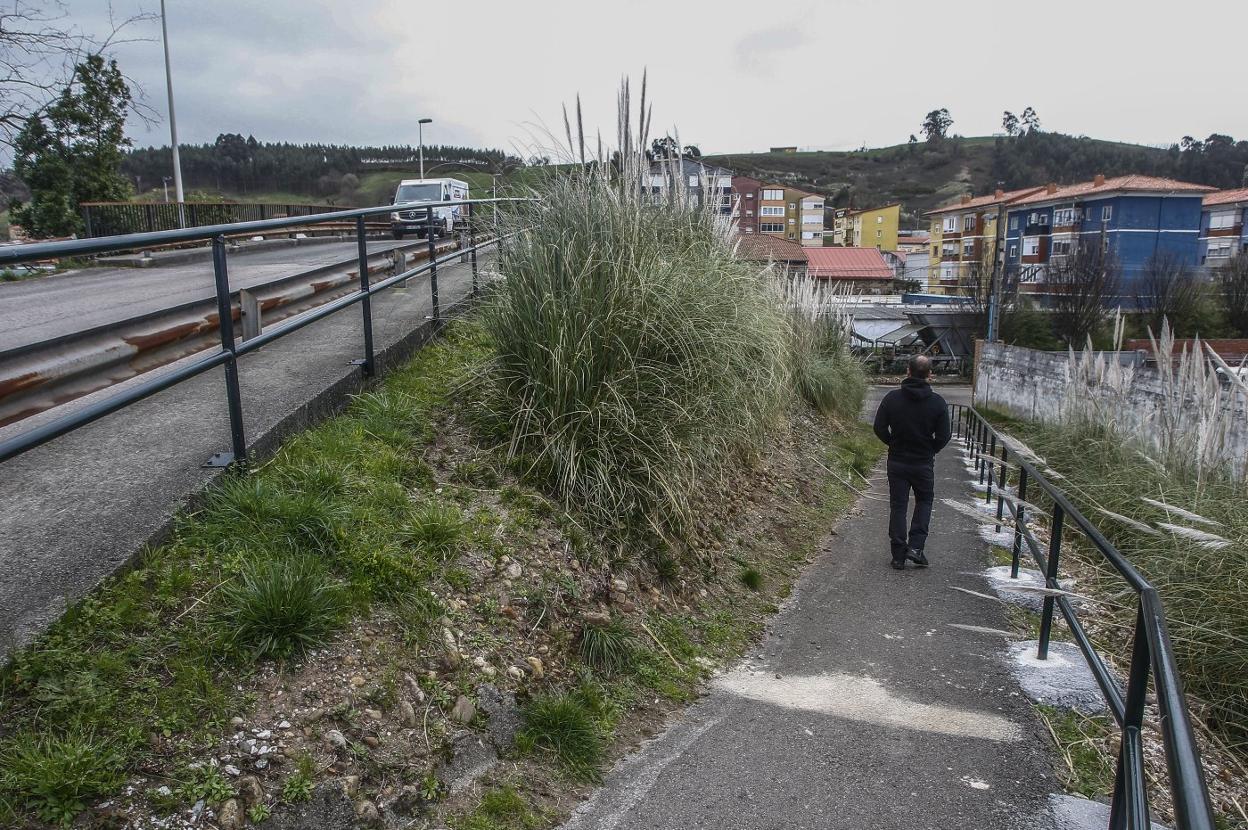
{"points": [[420, 131]]}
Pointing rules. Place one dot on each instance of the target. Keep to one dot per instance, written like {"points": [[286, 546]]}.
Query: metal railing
{"points": [[1152, 656], [116, 218], [229, 352]]}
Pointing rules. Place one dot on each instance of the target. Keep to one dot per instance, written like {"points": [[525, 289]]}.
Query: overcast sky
{"points": [[734, 76]]}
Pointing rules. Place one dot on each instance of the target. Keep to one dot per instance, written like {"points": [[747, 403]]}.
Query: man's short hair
{"points": [[920, 366]]}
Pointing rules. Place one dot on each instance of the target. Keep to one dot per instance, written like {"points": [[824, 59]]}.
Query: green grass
{"points": [[663, 359], [606, 647], [1086, 767], [502, 808], [273, 561], [565, 726], [751, 578], [437, 530]]}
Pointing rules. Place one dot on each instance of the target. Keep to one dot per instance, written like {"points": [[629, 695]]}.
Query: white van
{"points": [[416, 219]]}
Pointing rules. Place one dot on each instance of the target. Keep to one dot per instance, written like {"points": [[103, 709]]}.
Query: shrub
{"points": [[827, 376], [56, 775], [635, 354], [565, 726], [250, 511], [606, 647], [279, 608]]}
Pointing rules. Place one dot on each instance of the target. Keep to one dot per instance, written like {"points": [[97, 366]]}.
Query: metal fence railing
{"points": [[228, 308], [117, 218], [1152, 656]]}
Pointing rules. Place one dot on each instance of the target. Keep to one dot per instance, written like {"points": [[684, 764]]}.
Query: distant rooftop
{"points": [[1119, 184], [847, 264]]}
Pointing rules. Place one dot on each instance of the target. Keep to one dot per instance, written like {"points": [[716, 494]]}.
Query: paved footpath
{"points": [[863, 708]]}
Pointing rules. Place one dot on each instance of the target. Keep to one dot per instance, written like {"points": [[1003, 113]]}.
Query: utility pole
{"points": [[173, 122], [420, 132]]}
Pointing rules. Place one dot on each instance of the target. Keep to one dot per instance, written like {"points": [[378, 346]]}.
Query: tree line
{"points": [[242, 166]]}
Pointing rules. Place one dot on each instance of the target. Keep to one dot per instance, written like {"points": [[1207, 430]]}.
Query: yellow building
{"points": [[964, 239], [876, 227]]}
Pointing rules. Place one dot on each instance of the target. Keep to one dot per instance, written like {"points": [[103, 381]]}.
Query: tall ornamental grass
{"points": [[635, 355]]}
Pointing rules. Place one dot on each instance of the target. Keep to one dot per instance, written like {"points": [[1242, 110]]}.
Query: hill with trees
{"points": [[923, 174]]}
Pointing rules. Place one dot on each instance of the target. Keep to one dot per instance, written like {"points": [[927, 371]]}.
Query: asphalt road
{"points": [[36, 310], [864, 707]]}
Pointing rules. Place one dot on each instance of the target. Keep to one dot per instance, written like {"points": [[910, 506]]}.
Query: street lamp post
{"points": [[173, 123], [420, 132]]}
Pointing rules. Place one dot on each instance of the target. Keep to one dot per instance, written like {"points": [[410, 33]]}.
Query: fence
{"points": [[1151, 652], [229, 352], [116, 218]]}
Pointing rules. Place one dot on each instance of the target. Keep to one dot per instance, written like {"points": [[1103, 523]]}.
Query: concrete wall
{"points": [[1034, 385]]}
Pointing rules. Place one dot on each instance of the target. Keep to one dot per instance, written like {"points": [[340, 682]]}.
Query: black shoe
{"points": [[917, 557], [898, 565]]}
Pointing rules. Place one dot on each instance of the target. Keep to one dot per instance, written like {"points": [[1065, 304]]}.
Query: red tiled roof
{"points": [[1227, 197], [986, 201], [762, 247], [1119, 184], [847, 264]]}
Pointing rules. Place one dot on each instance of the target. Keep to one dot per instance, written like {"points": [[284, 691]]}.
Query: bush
{"points": [[279, 608], [635, 355], [752, 579], [55, 776], [827, 376]]}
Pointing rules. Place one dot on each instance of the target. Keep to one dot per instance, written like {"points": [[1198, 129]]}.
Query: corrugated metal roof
{"points": [[847, 264]]}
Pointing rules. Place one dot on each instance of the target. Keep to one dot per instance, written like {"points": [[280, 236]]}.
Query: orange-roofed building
{"points": [[864, 268], [1222, 226]]}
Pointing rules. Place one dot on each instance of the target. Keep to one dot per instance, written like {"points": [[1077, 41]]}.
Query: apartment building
{"points": [[1223, 231], [701, 182], [1132, 218], [810, 219], [842, 227], [773, 211], [864, 269], [876, 228], [965, 236], [747, 193]]}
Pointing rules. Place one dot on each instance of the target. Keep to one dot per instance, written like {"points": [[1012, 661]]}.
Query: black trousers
{"points": [[902, 478]]}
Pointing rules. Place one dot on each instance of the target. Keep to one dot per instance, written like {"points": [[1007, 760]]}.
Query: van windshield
{"points": [[418, 193]]}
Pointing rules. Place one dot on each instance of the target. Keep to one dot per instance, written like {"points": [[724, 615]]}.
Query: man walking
{"points": [[914, 422]]}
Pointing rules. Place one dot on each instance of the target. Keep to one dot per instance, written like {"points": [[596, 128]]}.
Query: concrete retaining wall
{"points": [[1034, 385]]}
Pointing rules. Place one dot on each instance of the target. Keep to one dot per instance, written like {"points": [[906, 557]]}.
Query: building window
{"points": [[693, 181], [771, 210], [1065, 216], [815, 206], [1218, 221], [792, 205], [749, 212], [1013, 251], [747, 229], [772, 227], [807, 219], [792, 221], [773, 195], [1062, 247], [1218, 250], [1107, 213], [968, 223], [951, 224], [949, 249], [1013, 223], [968, 249], [879, 234], [1031, 246], [935, 251], [946, 272], [749, 195]]}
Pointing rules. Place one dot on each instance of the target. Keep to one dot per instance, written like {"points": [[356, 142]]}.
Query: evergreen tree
{"points": [[72, 153]]}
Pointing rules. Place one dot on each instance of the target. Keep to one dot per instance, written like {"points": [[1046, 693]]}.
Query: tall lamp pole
{"points": [[420, 131], [173, 123]]}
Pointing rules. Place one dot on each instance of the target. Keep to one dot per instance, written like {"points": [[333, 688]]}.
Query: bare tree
{"points": [[1168, 289], [1080, 285], [1232, 280], [39, 48]]}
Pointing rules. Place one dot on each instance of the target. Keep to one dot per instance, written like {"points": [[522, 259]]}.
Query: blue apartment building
{"points": [[1132, 218]]}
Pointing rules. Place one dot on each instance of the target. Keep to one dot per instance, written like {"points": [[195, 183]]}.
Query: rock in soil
{"points": [[464, 711], [328, 809]]}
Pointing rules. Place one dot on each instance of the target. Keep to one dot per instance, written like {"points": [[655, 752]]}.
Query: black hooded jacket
{"points": [[913, 421]]}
